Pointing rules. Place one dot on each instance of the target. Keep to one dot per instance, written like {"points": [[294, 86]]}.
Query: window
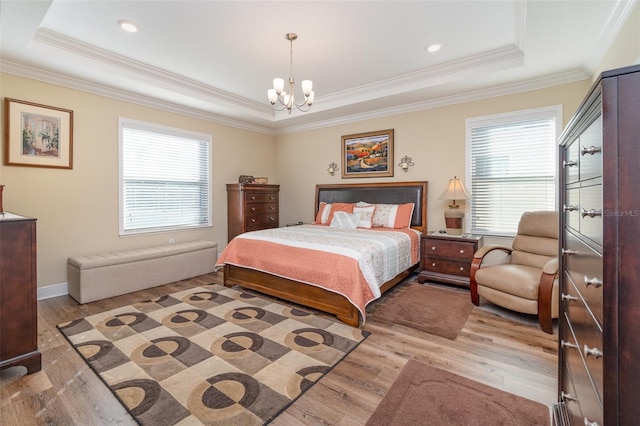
{"points": [[164, 178], [512, 167]]}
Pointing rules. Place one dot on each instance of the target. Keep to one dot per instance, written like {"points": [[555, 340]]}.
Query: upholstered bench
{"points": [[106, 275]]}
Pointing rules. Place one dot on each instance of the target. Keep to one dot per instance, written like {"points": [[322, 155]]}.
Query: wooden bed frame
{"points": [[316, 297]]}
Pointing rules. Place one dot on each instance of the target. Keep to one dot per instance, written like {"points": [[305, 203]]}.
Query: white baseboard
{"points": [[54, 290]]}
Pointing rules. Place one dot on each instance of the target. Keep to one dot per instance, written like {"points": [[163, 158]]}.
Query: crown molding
{"points": [[476, 95], [123, 95]]}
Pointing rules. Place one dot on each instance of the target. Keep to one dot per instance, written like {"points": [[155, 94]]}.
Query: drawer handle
{"points": [[253, 197], [590, 213], [565, 344], [462, 268], [594, 352], [271, 208], [591, 150], [568, 252], [461, 251], [272, 219], [588, 422], [253, 220], [271, 197], [567, 396], [433, 264], [433, 247], [253, 209], [569, 208], [570, 163], [592, 281], [568, 297]]}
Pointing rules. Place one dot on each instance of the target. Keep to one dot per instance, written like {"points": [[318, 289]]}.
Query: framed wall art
{"points": [[37, 135], [368, 154]]}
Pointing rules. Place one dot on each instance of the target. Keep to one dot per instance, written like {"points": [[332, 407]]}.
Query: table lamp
{"points": [[454, 214]]}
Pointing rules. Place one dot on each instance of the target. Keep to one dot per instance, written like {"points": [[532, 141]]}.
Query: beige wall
{"points": [[433, 138], [77, 210]]}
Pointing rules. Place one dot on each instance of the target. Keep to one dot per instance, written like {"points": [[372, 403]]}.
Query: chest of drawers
{"points": [[18, 305], [599, 347], [446, 258], [251, 207]]}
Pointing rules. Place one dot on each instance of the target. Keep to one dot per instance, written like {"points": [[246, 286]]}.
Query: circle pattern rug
{"points": [[209, 355]]}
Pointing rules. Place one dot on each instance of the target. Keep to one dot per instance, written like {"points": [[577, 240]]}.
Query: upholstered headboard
{"points": [[380, 193]]}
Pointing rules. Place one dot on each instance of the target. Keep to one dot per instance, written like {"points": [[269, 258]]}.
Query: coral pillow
{"points": [[322, 217], [392, 215], [345, 220], [366, 215], [340, 207]]}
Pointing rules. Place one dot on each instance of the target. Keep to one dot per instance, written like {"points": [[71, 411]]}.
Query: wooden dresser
{"points": [[251, 207], [18, 298], [599, 342], [447, 259]]}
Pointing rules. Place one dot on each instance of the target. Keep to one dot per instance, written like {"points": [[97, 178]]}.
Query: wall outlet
{"points": [[172, 240]]}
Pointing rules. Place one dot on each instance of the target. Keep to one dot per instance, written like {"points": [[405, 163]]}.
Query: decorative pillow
{"points": [[340, 207], [345, 220], [322, 217], [392, 215], [366, 215]]}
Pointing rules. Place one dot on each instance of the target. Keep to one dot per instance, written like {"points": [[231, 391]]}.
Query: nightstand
{"points": [[447, 258]]}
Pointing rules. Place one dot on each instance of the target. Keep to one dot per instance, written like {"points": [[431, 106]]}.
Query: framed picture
{"points": [[368, 154], [37, 135]]}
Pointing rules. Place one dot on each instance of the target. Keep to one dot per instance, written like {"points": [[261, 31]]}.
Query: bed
{"points": [[305, 292]]}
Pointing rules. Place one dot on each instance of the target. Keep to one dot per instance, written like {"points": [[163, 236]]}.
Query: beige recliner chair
{"points": [[527, 282]]}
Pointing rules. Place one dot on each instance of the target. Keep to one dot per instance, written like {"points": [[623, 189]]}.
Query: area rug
{"points": [[209, 355], [423, 394], [435, 310]]}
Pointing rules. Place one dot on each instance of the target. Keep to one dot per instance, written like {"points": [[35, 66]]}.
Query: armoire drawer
{"points": [[591, 212], [581, 398], [588, 334], [591, 151], [584, 266]]}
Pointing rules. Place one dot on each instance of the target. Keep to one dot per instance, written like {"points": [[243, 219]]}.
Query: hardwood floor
{"points": [[495, 347]]}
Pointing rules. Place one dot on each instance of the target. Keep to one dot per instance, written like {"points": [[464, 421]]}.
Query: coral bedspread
{"points": [[350, 262]]}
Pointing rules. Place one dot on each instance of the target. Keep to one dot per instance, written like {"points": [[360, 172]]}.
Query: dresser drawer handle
{"points": [[569, 208], [461, 251], [570, 163], [568, 297], [462, 268], [253, 209], [594, 352], [253, 220], [433, 264], [592, 281], [567, 396], [253, 198], [591, 150], [271, 197], [568, 252], [272, 219], [565, 344], [433, 247], [271, 208], [588, 422], [590, 213]]}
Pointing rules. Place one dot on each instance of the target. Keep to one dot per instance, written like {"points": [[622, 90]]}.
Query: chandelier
{"points": [[278, 95]]}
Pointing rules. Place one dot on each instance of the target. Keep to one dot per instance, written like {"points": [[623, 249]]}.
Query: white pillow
{"points": [[366, 215], [345, 220]]}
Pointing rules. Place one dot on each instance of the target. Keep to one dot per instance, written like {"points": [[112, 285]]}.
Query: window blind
{"points": [[164, 178], [512, 168]]}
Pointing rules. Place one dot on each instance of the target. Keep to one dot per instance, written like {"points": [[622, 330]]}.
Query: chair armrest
{"points": [[551, 267], [483, 251]]}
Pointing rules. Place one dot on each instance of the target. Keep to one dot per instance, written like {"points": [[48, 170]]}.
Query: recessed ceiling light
{"points": [[128, 26], [433, 48]]}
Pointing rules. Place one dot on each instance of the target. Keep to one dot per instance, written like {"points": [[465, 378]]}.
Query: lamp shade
{"points": [[455, 191], [453, 216]]}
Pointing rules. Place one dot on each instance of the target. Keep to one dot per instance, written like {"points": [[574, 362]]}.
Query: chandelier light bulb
{"points": [[287, 100]]}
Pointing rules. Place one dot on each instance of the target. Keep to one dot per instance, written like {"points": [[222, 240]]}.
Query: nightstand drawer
{"points": [[447, 266], [445, 248]]}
